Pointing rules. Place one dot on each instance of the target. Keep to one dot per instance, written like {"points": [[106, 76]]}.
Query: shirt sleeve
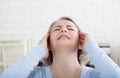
{"points": [[104, 65], [23, 67]]}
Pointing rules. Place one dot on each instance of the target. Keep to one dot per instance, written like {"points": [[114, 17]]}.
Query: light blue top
{"points": [[26, 67]]}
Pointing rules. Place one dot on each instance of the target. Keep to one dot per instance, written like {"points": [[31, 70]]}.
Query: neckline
{"points": [[81, 75]]}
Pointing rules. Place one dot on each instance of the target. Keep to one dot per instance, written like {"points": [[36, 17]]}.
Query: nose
{"points": [[63, 30]]}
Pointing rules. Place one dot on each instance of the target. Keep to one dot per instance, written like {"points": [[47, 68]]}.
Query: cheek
{"points": [[76, 37], [52, 41], [52, 38]]}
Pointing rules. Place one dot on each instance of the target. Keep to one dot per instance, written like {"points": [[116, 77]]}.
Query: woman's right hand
{"points": [[45, 43]]}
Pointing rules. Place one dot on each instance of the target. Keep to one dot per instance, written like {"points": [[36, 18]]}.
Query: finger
{"points": [[81, 41], [46, 36], [82, 38], [82, 35]]}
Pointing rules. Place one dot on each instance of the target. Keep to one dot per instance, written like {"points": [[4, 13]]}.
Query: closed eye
{"points": [[71, 29], [56, 29]]}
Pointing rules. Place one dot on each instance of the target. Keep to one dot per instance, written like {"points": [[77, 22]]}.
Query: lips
{"points": [[63, 37]]}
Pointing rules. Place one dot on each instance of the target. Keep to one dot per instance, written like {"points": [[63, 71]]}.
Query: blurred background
{"points": [[24, 22]]}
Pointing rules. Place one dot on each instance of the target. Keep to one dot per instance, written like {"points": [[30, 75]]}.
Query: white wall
{"points": [[31, 18]]}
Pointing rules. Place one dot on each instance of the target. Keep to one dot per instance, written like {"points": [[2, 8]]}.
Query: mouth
{"points": [[63, 37]]}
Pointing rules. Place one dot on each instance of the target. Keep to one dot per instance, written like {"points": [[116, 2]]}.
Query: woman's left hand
{"points": [[83, 38]]}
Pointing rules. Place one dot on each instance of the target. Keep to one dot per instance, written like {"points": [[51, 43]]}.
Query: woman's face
{"points": [[64, 33]]}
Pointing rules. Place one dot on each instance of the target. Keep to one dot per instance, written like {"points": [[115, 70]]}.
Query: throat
{"points": [[65, 65], [65, 72]]}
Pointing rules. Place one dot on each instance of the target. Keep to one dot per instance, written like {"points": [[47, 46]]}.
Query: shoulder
{"points": [[39, 71], [88, 72]]}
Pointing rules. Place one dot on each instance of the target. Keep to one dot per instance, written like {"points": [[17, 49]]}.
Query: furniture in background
{"points": [[106, 48], [11, 50]]}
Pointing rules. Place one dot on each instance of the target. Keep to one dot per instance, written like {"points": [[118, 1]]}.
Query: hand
{"points": [[45, 42], [84, 37]]}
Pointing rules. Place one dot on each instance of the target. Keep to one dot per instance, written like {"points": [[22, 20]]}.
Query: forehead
{"points": [[63, 22]]}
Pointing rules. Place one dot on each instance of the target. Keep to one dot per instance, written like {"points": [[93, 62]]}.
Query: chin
{"points": [[65, 42], [65, 45]]}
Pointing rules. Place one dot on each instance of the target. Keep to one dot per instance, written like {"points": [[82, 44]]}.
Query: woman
{"points": [[61, 48]]}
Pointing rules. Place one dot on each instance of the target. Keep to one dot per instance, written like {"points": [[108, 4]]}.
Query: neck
{"points": [[65, 63]]}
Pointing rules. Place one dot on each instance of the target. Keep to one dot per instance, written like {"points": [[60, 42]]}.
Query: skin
{"points": [[65, 40]]}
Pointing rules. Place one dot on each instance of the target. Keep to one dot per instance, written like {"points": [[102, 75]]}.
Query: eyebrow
{"points": [[70, 26], [57, 26], [61, 26]]}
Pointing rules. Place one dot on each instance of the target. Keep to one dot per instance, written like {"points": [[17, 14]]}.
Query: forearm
{"points": [[25, 65], [103, 64]]}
